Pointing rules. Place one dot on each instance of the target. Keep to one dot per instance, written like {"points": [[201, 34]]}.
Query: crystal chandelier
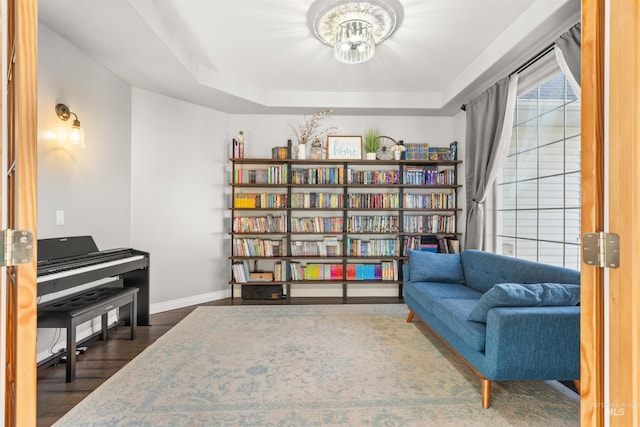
{"points": [[354, 28]]}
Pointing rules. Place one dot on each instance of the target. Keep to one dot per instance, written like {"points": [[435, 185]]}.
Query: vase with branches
{"points": [[309, 129]]}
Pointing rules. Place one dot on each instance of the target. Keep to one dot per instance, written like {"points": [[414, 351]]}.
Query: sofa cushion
{"points": [[454, 313], [483, 269], [520, 295], [426, 292], [434, 267]]}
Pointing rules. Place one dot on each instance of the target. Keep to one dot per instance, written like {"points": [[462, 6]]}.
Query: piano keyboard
{"points": [[53, 275]]}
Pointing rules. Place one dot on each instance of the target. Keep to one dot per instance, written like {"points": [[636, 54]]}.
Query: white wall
{"points": [[91, 185], [179, 211]]}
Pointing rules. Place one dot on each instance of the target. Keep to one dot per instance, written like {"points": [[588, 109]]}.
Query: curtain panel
{"points": [[488, 135], [568, 54]]}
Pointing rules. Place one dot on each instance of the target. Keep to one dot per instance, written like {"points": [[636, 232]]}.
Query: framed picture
{"points": [[344, 147]]}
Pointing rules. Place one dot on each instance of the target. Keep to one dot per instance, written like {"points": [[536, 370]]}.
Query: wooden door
{"points": [[19, 205], [623, 407], [619, 404], [592, 212]]}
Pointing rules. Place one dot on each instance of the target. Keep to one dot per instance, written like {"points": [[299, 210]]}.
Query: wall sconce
{"points": [[76, 136]]}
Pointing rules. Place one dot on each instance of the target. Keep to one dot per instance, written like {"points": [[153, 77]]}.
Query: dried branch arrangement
{"points": [[309, 129]]}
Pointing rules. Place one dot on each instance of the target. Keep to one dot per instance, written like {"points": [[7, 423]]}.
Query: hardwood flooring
{"points": [[104, 358]]}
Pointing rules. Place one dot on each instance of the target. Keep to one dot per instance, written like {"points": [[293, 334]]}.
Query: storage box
{"points": [[262, 292], [261, 277]]}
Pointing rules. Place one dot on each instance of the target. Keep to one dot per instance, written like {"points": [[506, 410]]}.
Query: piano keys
{"points": [[66, 262]]}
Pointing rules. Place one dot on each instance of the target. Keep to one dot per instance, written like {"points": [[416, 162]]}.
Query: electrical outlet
{"points": [[59, 217]]}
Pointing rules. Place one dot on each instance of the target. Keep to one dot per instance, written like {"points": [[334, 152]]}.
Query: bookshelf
{"points": [[345, 222]]}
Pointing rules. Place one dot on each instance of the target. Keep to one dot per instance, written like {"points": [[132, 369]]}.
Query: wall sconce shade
{"points": [[75, 137]]}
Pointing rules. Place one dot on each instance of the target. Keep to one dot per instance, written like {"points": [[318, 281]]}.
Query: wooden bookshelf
{"points": [[325, 213]]}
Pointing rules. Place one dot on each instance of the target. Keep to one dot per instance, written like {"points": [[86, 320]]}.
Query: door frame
{"points": [[610, 382], [19, 207]]}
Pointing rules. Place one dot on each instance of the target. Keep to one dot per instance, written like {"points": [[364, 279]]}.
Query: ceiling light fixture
{"points": [[76, 136], [354, 28]]}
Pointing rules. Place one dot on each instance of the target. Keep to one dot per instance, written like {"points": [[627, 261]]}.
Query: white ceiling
{"points": [[258, 56]]}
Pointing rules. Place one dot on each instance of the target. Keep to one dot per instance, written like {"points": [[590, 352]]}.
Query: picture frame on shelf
{"points": [[341, 147]]}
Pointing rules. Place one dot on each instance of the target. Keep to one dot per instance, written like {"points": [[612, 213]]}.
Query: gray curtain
{"points": [[570, 45], [488, 135]]}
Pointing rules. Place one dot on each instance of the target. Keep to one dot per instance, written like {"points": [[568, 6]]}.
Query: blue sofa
{"points": [[507, 318]]}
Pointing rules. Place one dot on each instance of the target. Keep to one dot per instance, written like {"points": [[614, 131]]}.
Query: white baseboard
{"points": [[187, 301], [329, 291]]}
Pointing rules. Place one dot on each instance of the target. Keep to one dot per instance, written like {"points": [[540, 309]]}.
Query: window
{"points": [[538, 192]]}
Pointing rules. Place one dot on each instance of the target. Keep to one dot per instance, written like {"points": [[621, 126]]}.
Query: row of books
{"points": [[430, 200], [384, 270], [417, 151], [269, 175], [240, 271], [280, 271], [316, 271], [247, 246], [373, 224], [381, 177], [260, 200], [328, 246], [260, 224], [373, 247], [431, 244], [425, 175], [317, 225], [280, 153], [331, 246], [374, 200], [429, 223], [317, 200], [413, 175], [336, 200], [324, 175]]}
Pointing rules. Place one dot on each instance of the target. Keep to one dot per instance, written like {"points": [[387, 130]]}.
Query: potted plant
{"points": [[371, 143]]}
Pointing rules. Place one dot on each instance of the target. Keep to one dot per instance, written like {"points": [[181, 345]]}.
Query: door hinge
{"points": [[601, 249], [16, 248]]}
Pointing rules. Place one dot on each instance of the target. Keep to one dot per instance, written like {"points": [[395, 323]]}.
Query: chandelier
{"points": [[354, 28]]}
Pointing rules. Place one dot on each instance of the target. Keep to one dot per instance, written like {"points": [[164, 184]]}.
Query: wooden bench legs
{"points": [[69, 312], [73, 322]]}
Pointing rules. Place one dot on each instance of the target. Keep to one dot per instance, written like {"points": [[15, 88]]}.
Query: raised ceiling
{"points": [[258, 56]]}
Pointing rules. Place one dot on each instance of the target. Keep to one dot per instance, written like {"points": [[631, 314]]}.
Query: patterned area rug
{"points": [[317, 365]]}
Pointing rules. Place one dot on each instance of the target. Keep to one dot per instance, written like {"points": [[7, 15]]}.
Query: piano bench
{"points": [[75, 309]]}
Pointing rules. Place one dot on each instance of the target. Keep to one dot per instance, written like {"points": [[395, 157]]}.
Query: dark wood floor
{"points": [[104, 358]]}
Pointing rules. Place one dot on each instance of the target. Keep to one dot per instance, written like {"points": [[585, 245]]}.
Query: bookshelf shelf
{"points": [[326, 211]]}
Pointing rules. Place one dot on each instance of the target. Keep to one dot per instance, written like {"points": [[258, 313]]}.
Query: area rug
{"points": [[310, 365]]}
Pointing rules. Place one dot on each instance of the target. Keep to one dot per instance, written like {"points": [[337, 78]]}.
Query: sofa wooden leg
{"points": [[577, 384], [410, 318], [486, 393]]}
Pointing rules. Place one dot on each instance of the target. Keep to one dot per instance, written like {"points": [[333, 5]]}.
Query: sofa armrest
{"points": [[533, 343], [405, 273]]}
